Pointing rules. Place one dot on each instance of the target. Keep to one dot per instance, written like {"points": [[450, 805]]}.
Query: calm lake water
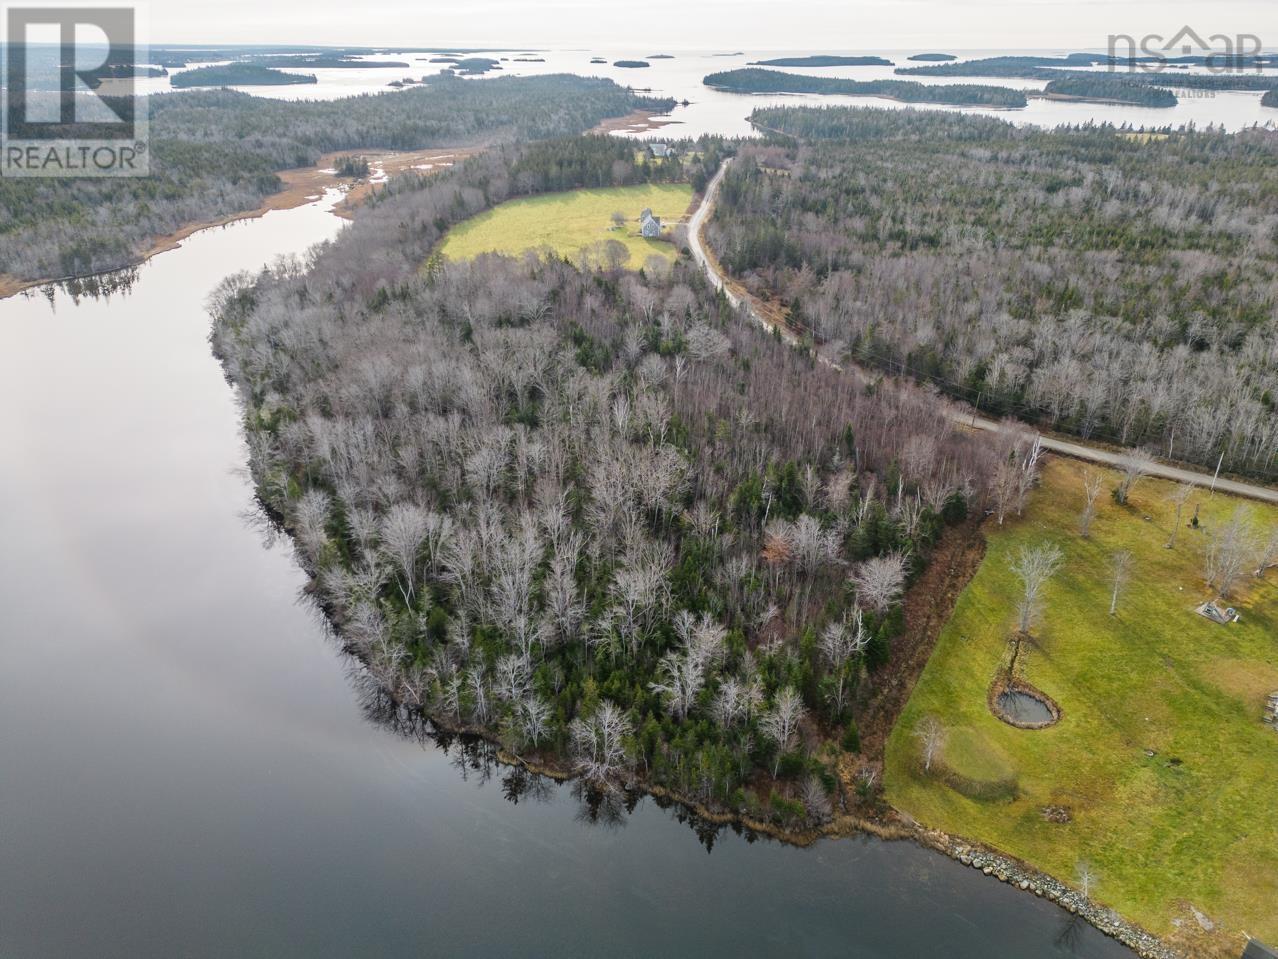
{"points": [[712, 111], [190, 767]]}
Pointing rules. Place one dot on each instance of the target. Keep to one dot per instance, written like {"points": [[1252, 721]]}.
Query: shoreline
{"points": [[1073, 98], [889, 826], [869, 96], [929, 604], [300, 185], [637, 121]]}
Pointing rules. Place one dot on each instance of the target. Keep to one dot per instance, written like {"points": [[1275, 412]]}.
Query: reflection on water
{"points": [[189, 765], [475, 760]]}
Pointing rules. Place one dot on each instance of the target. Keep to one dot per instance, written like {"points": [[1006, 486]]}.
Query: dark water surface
{"points": [[187, 763], [1024, 708]]}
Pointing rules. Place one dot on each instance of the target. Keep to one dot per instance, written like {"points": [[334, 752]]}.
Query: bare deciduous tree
{"points": [[1134, 463], [737, 701], [1034, 566], [680, 680], [534, 718], [599, 744], [931, 736], [840, 642], [1268, 555], [1092, 484], [1028, 475], [815, 801], [1120, 569], [1230, 548], [781, 723], [1178, 498], [1086, 879], [879, 581]]}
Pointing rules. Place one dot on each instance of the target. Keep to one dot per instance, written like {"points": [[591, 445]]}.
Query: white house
{"points": [[649, 225]]}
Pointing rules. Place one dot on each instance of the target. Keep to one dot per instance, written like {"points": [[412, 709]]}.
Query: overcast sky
{"points": [[832, 25]]}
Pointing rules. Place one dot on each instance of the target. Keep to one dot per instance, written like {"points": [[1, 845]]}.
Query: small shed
{"points": [[1218, 614], [649, 225]]}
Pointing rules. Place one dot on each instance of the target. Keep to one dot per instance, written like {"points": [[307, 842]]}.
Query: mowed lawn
{"points": [[1196, 822], [570, 223]]}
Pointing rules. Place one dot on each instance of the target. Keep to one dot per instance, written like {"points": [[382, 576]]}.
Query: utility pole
{"points": [[1219, 464]]}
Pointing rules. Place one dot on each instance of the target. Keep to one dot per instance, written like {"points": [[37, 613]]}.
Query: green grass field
{"points": [[570, 223], [1196, 822]]}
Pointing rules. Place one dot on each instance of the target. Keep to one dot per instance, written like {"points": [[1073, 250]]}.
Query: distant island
{"points": [[598, 60], [121, 71], [631, 64], [238, 75], [474, 66], [326, 62], [661, 56], [823, 60], [933, 57], [1131, 80], [1104, 89], [754, 80], [1020, 66]]}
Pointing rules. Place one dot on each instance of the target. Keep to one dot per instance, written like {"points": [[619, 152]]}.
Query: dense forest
{"points": [[595, 515], [1129, 72], [1111, 89], [217, 152], [755, 80], [1116, 285], [238, 74]]}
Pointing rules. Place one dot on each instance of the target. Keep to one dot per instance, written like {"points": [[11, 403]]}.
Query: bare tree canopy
{"points": [[1121, 570], [1134, 464], [959, 285], [1230, 548], [879, 581], [1178, 498], [1034, 566], [1092, 483], [585, 511], [932, 737]]}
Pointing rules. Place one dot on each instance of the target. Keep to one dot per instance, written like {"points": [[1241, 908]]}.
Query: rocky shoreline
{"points": [[894, 827], [1009, 870]]}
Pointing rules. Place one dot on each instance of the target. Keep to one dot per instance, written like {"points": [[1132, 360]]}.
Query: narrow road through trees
{"points": [[963, 417]]}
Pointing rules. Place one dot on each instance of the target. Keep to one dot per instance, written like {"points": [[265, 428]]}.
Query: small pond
{"points": [[1024, 709]]}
